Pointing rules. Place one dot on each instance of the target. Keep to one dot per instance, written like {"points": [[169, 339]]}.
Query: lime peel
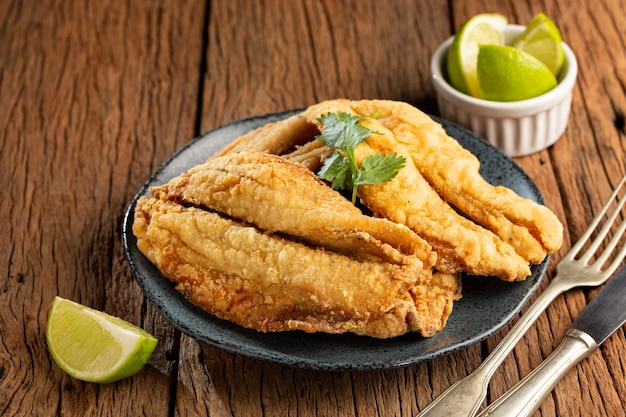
{"points": [[461, 59], [542, 39], [506, 73], [93, 346]]}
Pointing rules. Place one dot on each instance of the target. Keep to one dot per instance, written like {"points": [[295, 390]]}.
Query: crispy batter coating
{"points": [[275, 138], [442, 182], [281, 196], [531, 228], [426, 306], [461, 244], [270, 283], [254, 237]]}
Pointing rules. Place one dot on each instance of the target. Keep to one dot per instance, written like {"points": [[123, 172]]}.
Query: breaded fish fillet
{"points": [[310, 155], [281, 196], [409, 199], [275, 138], [270, 283], [257, 239], [426, 306], [532, 229]]}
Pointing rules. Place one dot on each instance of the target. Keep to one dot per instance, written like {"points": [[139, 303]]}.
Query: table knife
{"points": [[605, 314]]}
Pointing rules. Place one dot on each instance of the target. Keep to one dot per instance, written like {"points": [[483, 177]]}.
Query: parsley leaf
{"points": [[336, 168], [379, 168], [343, 132]]}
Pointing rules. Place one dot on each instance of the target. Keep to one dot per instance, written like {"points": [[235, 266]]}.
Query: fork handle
{"points": [[463, 399], [528, 394]]}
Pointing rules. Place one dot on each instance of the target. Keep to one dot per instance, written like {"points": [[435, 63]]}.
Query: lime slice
{"points": [[93, 346], [509, 74], [542, 39], [484, 28]]}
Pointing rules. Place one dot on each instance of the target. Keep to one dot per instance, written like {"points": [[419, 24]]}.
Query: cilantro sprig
{"points": [[343, 132]]}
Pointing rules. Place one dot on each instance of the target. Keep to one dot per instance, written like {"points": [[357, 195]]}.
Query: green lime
{"points": [[484, 28], [506, 73], [542, 39], [93, 346]]}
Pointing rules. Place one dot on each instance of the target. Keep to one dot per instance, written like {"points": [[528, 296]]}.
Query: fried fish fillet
{"points": [[532, 229], [425, 306], [461, 244], [310, 155], [256, 239], [517, 225], [281, 196], [275, 138], [269, 283]]}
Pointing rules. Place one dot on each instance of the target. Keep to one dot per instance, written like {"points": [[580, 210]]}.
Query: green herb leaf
{"points": [[343, 132], [380, 168], [336, 169]]}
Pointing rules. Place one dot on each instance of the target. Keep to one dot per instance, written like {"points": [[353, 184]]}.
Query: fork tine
{"points": [[605, 229], [595, 222], [601, 260]]}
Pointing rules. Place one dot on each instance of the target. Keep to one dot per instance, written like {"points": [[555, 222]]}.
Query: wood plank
{"points": [[95, 95]]}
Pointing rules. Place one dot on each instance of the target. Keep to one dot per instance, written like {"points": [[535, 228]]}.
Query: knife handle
{"points": [[528, 394]]}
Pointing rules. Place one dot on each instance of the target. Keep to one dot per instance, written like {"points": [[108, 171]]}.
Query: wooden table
{"points": [[95, 95]]}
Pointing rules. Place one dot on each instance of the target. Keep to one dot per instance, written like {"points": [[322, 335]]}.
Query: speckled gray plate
{"points": [[487, 305]]}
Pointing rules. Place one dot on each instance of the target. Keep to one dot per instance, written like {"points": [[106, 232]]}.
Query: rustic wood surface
{"points": [[94, 95]]}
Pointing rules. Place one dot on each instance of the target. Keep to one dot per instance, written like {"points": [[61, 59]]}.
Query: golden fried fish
{"points": [[409, 199], [270, 283], [531, 228], [275, 138], [281, 196], [254, 237]]}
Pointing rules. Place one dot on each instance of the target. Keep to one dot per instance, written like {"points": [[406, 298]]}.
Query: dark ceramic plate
{"points": [[487, 304]]}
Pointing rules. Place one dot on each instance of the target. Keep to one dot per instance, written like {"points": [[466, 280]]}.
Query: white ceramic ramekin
{"points": [[517, 128]]}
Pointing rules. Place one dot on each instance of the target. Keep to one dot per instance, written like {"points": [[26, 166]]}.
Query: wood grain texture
{"points": [[290, 57], [96, 95]]}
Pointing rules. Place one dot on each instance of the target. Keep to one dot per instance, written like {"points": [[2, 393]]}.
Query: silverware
{"points": [[601, 318], [464, 397]]}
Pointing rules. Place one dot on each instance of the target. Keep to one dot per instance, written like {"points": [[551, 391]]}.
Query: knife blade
{"points": [[606, 312], [604, 315]]}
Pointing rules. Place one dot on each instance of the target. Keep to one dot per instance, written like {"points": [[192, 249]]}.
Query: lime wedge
{"points": [[506, 73], [542, 39], [484, 28], [93, 346]]}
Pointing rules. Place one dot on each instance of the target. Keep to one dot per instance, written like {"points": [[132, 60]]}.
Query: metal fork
{"points": [[465, 397]]}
